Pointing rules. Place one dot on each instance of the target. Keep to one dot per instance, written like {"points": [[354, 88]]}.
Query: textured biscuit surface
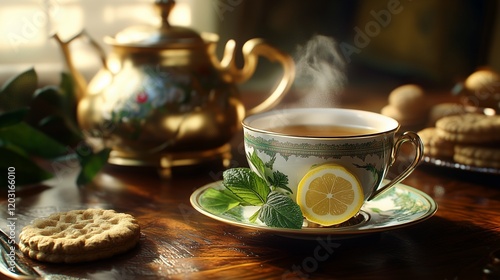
{"points": [[469, 128], [79, 236], [434, 145], [483, 156]]}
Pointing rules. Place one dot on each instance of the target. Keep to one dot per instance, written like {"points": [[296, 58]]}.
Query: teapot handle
{"points": [[251, 50]]}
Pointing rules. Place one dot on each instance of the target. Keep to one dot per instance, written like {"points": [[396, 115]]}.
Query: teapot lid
{"points": [[165, 36]]}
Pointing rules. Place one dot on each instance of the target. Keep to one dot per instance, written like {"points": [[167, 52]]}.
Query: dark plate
{"points": [[448, 163]]}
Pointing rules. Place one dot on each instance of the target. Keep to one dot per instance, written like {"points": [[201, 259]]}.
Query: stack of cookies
{"points": [[468, 138], [408, 105]]}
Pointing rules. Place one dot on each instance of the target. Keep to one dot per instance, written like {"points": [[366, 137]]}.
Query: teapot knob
{"points": [[165, 7]]}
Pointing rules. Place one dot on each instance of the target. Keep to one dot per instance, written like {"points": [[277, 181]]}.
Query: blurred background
{"points": [[389, 42]]}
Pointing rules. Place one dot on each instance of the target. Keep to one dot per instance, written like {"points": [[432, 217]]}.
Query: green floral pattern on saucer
{"points": [[401, 206]]}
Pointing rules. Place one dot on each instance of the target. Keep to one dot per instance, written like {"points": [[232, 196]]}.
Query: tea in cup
{"points": [[292, 141]]}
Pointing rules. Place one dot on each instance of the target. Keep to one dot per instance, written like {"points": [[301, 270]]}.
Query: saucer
{"points": [[400, 206]]}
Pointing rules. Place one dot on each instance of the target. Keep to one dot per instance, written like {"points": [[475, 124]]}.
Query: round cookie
{"points": [[483, 89], [409, 99], [483, 156], [79, 236], [481, 80], [469, 128], [434, 145], [402, 118]]}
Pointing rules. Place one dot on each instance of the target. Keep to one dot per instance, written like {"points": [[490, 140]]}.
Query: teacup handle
{"points": [[414, 139], [251, 50]]}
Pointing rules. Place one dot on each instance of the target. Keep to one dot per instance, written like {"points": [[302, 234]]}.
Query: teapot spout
{"points": [[81, 83]]}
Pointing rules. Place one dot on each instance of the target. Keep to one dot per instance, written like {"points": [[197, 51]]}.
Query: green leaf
{"points": [[281, 211], [235, 213], [247, 185], [67, 88], [46, 102], [18, 91], [218, 201], [13, 117], [26, 172], [56, 101], [257, 163], [32, 141], [232, 195], [254, 216], [91, 165], [50, 95], [57, 127], [280, 180]]}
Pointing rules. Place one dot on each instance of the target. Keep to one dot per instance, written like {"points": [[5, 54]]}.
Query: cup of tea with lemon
{"points": [[333, 160]]}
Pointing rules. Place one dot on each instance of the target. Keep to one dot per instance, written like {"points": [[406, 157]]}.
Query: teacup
{"points": [[292, 141]]}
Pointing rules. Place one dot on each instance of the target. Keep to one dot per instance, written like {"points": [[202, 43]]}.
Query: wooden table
{"points": [[179, 243]]}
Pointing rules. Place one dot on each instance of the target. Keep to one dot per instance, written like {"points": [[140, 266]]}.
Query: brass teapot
{"points": [[163, 98]]}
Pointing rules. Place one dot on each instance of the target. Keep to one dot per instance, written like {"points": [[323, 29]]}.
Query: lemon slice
{"points": [[329, 194]]}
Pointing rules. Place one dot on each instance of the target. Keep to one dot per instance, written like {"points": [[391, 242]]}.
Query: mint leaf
{"points": [[218, 201], [276, 209], [277, 180], [280, 211], [257, 163], [280, 180], [247, 185], [254, 216], [235, 213]]}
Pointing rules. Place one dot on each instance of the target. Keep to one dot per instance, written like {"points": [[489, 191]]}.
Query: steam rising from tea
{"points": [[320, 71]]}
